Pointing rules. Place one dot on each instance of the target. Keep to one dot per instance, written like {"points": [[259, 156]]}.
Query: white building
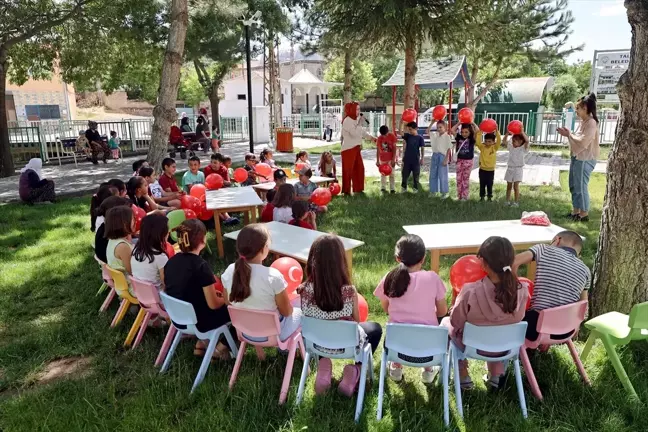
{"points": [[234, 102]]}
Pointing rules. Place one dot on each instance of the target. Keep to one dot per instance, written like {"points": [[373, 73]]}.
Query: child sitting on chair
{"points": [[304, 188], [302, 217], [155, 191], [194, 175], [149, 257], [497, 299], [282, 203], [411, 295]]}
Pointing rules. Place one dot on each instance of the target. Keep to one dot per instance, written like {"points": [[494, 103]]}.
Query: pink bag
{"points": [[535, 218]]}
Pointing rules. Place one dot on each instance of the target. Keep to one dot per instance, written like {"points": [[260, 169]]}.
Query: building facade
{"points": [[41, 100]]}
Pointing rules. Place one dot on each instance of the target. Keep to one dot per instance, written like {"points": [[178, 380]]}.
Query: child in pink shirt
{"points": [[410, 295], [497, 299]]}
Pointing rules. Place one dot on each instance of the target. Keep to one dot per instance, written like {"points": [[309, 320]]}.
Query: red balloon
{"points": [[439, 112], [385, 169], [168, 249], [488, 125], [300, 166], [189, 214], [321, 196], [335, 188], [189, 202], [291, 271], [198, 191], [531, 286], [409, 115], [465, 270], [240, 175], [138, 215], [205, 214], [263, 169], [466, 115], [515, 127], [363, 308], [214, 181]]}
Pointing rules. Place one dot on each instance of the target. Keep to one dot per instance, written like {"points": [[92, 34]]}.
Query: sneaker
{"points": [[403, 190], [350, 379], [324, 372], [231, 221], [493, 382], [481, 199], [490, 199], [445, 196], [395, 373], [466, 383], [414, 190], [507, 203], [428, 375], [383, 190], [392, 191], [515, 204]]}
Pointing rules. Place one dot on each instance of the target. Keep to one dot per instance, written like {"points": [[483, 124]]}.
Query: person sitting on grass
{"points": [[189, 278], [304, 189], [561, 277], [497, 299], [302, 216], [328, 294], [193, 175], [251, 285], [410, 295], [282, 203], [32, 188], [268, 211], [120, 226], [101, 242], [155, 191], [149, 254]]}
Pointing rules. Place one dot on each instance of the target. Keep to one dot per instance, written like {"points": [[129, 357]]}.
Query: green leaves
{"points": [[564, 90], [362, 82]]}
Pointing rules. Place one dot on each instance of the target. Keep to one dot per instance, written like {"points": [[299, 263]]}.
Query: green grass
{"points": [[48, 311]]}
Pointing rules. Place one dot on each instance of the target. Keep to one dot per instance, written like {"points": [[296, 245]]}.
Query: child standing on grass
{"points": [[326, 165], [487, 162], [465, 150], [518, 149], [302, 216], [497, 299], [149, 257], [441, 146], [113, 143], [410, 295], [194, 175], [386, 155], [188, 277], [413, 152], [328, 294], [282, 203]]}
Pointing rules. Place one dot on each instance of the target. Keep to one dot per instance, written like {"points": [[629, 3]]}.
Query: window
{"points": [[42, 112], [241, 97], [282, 99]]}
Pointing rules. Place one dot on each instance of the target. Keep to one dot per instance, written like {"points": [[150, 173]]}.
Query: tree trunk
{"points": [[348, 76], [410, 72], [621, 269], [214, 99], [6, 160], [164, 112]]}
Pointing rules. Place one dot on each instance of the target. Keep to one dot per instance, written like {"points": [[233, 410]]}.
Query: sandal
{"points": [[466, 383], [350, 380]]}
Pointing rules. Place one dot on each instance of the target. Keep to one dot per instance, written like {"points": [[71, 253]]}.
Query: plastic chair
{"points": [[175, 218], [150, 305], [107, 283], [505, 338], [557, 321], [121, 287], [264, 325], [614, 328], [183, 313], [404, 341], [335, 335]]}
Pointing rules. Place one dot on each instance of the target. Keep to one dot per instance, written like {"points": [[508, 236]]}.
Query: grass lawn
{"points": [[48, 311]]}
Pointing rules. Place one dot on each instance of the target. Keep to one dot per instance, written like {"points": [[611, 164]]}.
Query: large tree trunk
{"points": [[348, 76], [214, 100], [164, 112], [621, 270], [6, 161], [410, 72]]}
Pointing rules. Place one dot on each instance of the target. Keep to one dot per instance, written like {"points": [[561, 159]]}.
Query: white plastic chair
{"points": [[424, 342], [182, 313], [508, 339], [335, 335]]}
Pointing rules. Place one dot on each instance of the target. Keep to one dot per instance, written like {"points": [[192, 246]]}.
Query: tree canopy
{"points": [[362, 81]]}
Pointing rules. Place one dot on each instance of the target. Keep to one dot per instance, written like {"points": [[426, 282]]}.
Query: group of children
{"points": [[468, 137]]}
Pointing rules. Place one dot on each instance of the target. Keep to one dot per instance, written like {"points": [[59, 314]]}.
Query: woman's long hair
{"points": [[410, 250], [328, 272], [249, 243], [589, 103], [499, 254], [153, 234]]}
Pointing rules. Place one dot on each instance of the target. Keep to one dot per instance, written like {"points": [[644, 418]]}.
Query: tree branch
{"points": [[489, 85]]}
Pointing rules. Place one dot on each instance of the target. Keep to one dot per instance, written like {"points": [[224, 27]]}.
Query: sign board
{"points": [[607, 68]]}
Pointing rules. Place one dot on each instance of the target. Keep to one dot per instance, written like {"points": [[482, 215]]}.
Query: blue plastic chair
{"points": [[505, 338], [335, 335], [417, 346], [182, 313]]}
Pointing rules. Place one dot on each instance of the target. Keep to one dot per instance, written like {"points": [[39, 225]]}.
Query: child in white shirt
{"points": [[518, 148], [441, 145]]}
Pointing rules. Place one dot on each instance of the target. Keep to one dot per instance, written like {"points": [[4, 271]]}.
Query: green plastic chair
{"points": [[614, 328], [175, 218]]}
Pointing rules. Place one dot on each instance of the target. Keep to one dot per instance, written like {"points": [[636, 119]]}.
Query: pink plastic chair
{"points": [[559, 320], [264, 325], [108, 283], [150, 305]]}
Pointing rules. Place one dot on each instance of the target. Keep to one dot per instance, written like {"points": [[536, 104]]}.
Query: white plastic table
{"points": [[236, 199], [263, 188], [295, 242], [467, 237]]}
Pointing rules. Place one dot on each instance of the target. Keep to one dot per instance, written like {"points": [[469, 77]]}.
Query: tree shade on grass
{"points": [[48, 311]]}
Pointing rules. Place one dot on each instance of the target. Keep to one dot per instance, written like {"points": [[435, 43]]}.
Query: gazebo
{"points": [[441, 73], [303, 82]]}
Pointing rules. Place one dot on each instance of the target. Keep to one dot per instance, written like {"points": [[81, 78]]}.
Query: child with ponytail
{"points": [[410, 295], [497, 299], [251, 285], [188, 277]]}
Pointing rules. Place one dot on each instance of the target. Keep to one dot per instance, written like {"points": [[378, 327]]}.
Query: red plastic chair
{"points": [[264, 325], [150, 306], [556, 321]]}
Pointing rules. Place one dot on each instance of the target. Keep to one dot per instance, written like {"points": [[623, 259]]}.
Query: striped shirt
{"points": [[561, 277]]}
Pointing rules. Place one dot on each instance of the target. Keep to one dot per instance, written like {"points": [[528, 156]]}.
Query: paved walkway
{"points": [[72, 181]]}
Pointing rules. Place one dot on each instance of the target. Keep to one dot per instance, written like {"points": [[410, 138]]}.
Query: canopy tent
{"points": [[433, 74]]}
